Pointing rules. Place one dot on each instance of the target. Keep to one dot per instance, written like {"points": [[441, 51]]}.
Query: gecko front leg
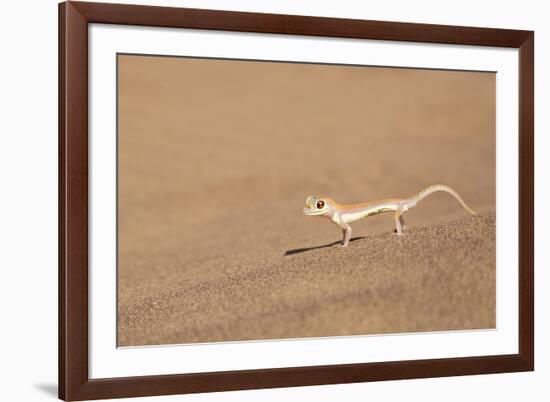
{"points": [[346, 232], [398, 223]]}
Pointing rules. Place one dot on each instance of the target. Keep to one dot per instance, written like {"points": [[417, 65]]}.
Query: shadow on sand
{"points": [[334, 243]]}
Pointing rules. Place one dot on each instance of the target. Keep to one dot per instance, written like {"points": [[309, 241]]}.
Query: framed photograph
{"points": [[259, 200]]}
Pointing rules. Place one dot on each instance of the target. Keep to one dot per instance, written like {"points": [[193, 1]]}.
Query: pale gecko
{"points": [[342, 215]]}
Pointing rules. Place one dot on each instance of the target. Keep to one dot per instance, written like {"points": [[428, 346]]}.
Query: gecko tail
{"points": [[440, 187]]}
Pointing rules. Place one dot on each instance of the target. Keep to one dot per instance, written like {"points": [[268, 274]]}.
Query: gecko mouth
{"points": [[310, 212]]}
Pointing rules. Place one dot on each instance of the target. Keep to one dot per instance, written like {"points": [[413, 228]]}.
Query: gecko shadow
{"points": [[305, 249]]}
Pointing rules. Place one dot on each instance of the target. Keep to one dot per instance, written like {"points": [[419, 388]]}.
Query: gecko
{"points": [[342, 215]]}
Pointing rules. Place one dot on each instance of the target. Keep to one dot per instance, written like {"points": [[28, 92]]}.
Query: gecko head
{"points": [[316, 206]]}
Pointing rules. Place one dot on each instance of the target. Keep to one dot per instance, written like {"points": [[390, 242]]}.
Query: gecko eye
{"points": [[320, 204]]}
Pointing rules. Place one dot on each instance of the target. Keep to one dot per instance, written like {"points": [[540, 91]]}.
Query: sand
{"points": [[216, 159], [435, 278]]}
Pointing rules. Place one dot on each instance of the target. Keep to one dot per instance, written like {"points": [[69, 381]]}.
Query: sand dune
{"points": [[435, 278]]}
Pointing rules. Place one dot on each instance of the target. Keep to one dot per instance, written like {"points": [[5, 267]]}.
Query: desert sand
{"points": [[216, 159]]}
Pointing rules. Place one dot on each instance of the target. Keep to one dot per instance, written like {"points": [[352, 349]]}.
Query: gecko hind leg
{"points": [[399, 223]]}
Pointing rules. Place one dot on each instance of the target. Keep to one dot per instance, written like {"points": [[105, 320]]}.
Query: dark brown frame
{"points": [[74, 383]]}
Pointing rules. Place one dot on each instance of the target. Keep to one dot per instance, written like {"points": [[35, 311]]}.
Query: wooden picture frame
{"points": [[74, 381]]}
